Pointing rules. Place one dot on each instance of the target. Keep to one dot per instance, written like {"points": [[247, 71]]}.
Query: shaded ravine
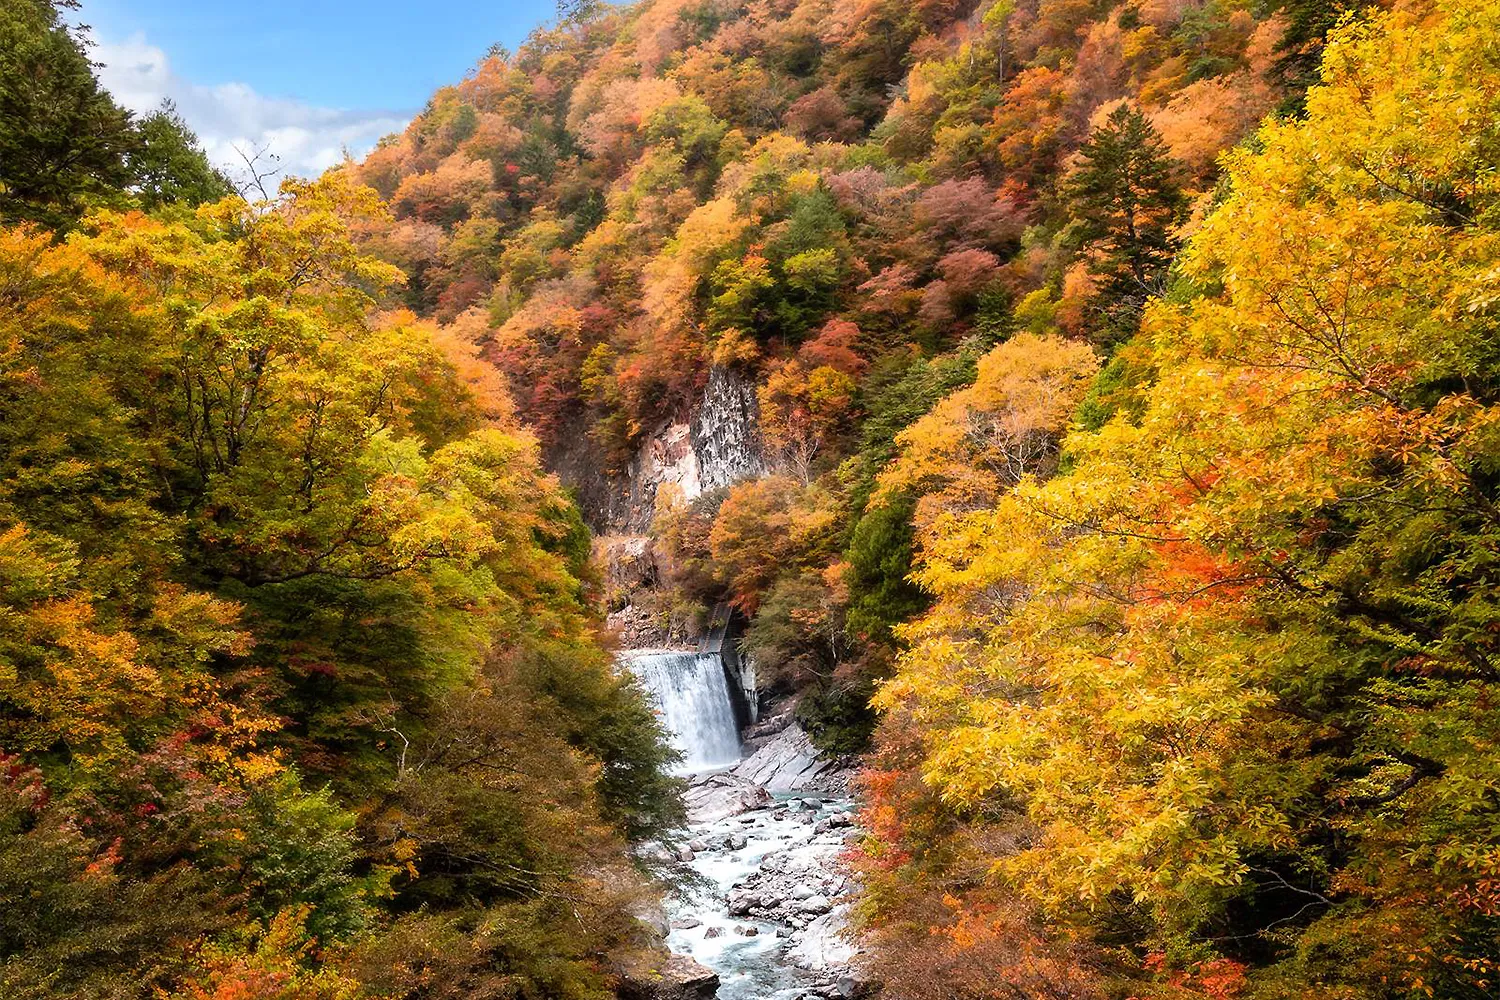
{"points": [[769, 915]]}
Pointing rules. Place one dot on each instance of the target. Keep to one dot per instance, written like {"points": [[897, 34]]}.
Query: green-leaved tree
{"points": [[1125, 194], [63, 139]]}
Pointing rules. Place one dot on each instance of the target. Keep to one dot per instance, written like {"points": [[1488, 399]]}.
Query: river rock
{"points": [[824, 944], [654, 916], [686, 978], [738, 842], [712, 932], [848, 988], [686, 924], [720, 796], [787, 762], [816, 904], [678, 977]]}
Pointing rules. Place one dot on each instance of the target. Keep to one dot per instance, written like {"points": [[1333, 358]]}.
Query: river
{"points": [[769, 916]]}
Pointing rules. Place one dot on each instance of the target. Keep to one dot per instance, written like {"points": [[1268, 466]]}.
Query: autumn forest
{"points": [[1126, 510]]}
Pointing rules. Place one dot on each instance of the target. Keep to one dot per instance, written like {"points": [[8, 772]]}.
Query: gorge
{"points": [[766, 499], [769, 917]]}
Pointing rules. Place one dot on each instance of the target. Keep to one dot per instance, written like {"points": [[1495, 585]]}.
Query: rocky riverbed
{"points": [[769, 921]]}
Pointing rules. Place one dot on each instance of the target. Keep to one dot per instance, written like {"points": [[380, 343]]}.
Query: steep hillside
{"points": [[1089, 407], [1177, 631], [302, 693], [794, 226]]}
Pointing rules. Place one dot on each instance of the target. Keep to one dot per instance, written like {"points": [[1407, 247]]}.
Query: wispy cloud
{"points": [[306, 138]]}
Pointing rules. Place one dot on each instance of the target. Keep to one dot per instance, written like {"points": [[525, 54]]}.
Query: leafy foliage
{"points": [[65, 144], [63, 139], [1233, 663], [296, 635], [1181, 654]]}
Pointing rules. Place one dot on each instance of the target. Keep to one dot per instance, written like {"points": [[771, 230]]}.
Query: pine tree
{"points": [[1125, 195], [62, 138], [168, 166]]}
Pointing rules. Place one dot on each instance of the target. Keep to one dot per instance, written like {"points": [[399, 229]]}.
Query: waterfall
{"points": [[692, 694]]}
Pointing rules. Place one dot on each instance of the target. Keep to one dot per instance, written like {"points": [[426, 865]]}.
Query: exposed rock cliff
{"points": [[726, 431], [715, 445]]}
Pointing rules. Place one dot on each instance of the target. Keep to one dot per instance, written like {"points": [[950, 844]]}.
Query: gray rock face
{"points": [[718, 446], [719, 796], [786, 762], [667, 456], [726, 431]]}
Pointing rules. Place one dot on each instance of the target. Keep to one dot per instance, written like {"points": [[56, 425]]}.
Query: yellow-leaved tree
{"points": [[1238, 663]]}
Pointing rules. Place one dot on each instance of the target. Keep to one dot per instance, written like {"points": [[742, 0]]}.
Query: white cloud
{"points": [[306, 138]]}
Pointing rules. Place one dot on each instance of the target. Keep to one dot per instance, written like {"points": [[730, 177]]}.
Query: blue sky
{"points": [[306, 79]]}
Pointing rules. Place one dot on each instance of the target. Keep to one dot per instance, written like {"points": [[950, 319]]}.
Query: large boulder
{"points": [[720, 796], [825, 944], [786, 762], [679, 977]]}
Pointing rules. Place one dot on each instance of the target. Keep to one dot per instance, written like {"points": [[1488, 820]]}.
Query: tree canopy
{"points": [[65, 145], [1116, 384]]}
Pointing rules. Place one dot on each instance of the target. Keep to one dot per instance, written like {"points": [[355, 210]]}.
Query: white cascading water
{"points": [[692, 695]]}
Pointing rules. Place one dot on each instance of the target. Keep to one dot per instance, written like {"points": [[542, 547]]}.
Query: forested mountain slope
{"points": [[1125, 383], [1222, 691], [846, 203], [301, 692], [1179, 630]]}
